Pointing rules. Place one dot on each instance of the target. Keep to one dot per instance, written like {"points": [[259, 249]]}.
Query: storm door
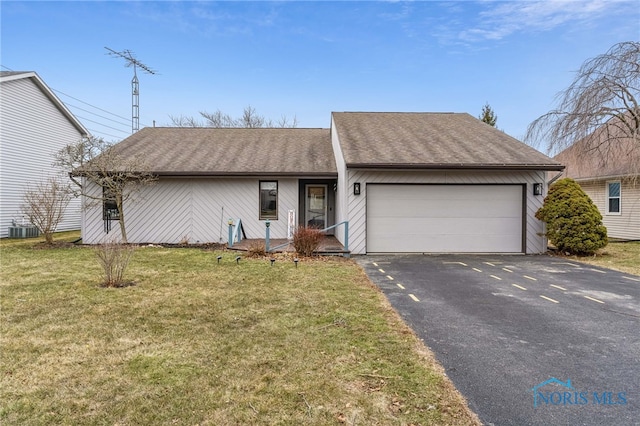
{"points": [[316, 206]]}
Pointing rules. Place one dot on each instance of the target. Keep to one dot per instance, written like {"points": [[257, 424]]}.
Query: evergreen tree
{"points": [[574, 224], [488, 116]]}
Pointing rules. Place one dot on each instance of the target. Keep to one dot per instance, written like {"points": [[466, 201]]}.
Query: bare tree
{"points": [[44, 205], [185, 121], [599, 111], [249, 119], [119, 177]]}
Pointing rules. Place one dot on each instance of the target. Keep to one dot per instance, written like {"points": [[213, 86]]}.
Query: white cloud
{"points": [[500, 19]]}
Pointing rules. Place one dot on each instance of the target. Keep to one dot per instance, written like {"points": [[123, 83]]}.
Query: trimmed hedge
{"points": [[574, 224]]}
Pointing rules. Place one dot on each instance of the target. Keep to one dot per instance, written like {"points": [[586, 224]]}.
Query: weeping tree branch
{"points": [[599, 113]]}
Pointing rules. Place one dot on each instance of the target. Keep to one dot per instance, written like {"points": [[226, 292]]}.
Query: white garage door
{"points": [[444, 218]]}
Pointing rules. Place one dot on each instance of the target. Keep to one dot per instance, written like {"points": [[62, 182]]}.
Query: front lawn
{"points": [[197, 342], [622, 256]]}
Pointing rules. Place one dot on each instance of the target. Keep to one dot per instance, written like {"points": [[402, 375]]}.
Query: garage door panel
{"points": [[459, 209], [449, 226], [445, 244], [441, 218]]}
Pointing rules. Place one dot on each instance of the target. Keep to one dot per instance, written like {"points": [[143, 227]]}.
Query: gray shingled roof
{"points": [[431, 141], [607, 152], [177, 151]]}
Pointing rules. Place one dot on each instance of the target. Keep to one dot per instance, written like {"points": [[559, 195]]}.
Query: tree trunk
{"points": [[123, 231]]}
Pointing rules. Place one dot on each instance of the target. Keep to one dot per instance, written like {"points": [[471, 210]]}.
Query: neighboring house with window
{"points": [[610, 175], [405, 182], [35, 125]]}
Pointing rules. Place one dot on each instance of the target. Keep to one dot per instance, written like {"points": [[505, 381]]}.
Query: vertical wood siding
{"points": [[195, 211], [31, 131], [626, 225], [535, 242]]}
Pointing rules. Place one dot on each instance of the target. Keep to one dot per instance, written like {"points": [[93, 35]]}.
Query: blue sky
{"points": [[307, 59]]}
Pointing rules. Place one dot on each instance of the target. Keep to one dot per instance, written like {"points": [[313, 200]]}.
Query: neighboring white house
{"points": [[610, 175], [405, 182], [34, 124]]}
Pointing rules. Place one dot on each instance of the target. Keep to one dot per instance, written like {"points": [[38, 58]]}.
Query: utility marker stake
{"points": [[219, 257], [296, 260]]}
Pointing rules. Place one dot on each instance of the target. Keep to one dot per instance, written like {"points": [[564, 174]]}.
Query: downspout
{"points": [[553, 179]]}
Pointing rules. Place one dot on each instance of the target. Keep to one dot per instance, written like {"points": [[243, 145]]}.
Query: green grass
{"points": [[622, 256], [194, 342]]}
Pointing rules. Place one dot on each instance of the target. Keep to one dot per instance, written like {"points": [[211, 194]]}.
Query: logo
{"points": [[569, 396]]}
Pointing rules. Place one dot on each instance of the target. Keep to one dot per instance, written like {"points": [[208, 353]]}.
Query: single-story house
{"points": [[609, 172], [35, 125], [405, 182]]}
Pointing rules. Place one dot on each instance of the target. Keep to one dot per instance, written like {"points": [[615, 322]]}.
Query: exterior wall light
{"points": [[356, 188], [537, 189]]}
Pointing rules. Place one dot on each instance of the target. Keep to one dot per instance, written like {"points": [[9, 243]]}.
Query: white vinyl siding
{"points": [[31, 131], [194, 210], [444, 218], [623, 226]]}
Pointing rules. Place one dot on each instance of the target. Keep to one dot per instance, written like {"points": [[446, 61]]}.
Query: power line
{"points": [[103, 125], [93, 113], [92, 106], [90, 112], [103, 133]]}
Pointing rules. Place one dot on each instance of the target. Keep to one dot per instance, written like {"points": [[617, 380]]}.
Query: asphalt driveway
{"points": [[528, 340]]}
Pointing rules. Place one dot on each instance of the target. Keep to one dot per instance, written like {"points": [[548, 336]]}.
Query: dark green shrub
{"points": [[307, 240], [574, 224]]}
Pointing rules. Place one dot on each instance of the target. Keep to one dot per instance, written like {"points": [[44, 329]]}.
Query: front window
{"points": [[268, 200], [613, 197], [110, 210], [109, 206]]}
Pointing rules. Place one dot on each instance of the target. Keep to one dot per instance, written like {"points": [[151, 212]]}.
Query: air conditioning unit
{"points": [[23, 232]]}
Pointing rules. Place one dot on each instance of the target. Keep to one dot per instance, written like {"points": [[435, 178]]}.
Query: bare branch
{"points": [[184, 121], [249, 119], [120, 177], [599, 113], [44, 205]]}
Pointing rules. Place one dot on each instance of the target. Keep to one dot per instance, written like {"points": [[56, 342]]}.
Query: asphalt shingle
{"points": [[231, 151], [431, 140]]}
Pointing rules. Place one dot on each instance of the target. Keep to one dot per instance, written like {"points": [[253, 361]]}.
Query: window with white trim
{"points": [[268, 200], [614, 197]]}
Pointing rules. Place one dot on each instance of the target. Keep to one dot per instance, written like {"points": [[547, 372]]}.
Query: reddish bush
{"points": [[307, 240]]}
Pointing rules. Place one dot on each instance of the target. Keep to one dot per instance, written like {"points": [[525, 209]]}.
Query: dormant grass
{"points": [[194, 342]]}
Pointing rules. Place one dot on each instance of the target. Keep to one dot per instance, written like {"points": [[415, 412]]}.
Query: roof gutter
{"points": [[607, 177], [333, 175], [454, 166]]}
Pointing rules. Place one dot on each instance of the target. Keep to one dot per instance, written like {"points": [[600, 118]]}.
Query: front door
{"points": [[316, 206]]}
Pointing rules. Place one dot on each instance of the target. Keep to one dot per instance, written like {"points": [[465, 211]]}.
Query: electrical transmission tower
{"points": [[127, 55]]}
